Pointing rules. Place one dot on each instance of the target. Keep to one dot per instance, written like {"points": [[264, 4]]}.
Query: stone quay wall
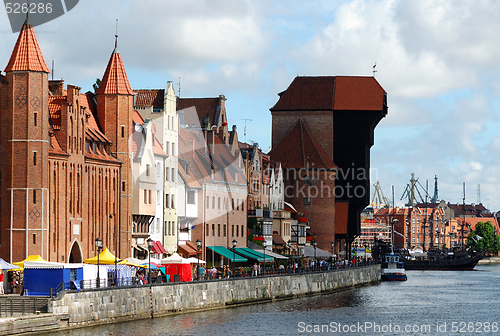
{"points": [[107, 305]]}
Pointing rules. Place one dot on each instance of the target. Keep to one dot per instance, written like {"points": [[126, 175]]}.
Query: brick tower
{"points": [[114, 114], [24, 147]]}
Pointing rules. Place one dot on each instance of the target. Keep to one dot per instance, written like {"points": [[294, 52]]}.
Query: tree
{"points": [[483, 238], [96, 84]]}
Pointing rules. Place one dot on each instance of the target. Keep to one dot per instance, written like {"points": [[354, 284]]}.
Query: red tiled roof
{"points": [[157, 148], [332, 93], [137, 118], [115, 80], [27, 55], [341, 217], [55, 103], [153, 98], [299, 149], [203, 107]]}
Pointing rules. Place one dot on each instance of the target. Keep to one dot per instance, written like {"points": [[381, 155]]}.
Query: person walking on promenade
{"points": [[255, 269]]}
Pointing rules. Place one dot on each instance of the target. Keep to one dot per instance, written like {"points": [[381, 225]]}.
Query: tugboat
{"points": [[393, 269]]}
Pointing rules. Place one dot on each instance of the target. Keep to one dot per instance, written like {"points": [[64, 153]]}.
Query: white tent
{"points": [[194, 260], [174, 259]]}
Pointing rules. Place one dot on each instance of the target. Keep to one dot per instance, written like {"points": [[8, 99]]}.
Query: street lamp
{"points": [[289, 244], [332, 244], [198, 247], [116, 251], [315, 261], [98, 244], [264, 244], [150, 247], [234, 254]]}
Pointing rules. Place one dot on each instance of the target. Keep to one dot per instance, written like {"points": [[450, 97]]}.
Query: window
{"points": [[147, 170], [232, 203], [218, 203], [34, 158], [218, 230], [206, 229], [123, 186], [34, 238], [149, 194], [145, 196], [34, 118], [34, 196], [213, 230], [242, 230], [167, 200], [232, 230], [167, 173], [213, 202], [123, 131], [173, 149], [173, 174], [237, 206], [190, 197], [173, 201], [167, 148], [237, 230], [224, 230], [208, 202], [243, 206]]}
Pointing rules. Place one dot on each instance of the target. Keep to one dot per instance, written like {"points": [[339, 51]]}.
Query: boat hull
{"points": [[458, 264], [394, 277]]}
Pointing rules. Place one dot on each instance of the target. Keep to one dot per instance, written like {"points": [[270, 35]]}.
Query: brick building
{"points": [[65, 173], [340, 115]]}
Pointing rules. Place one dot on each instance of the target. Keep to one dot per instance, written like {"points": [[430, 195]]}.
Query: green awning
{"points": [[227, 253], [252, 254]]}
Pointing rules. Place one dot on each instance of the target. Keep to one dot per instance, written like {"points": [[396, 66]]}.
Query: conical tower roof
{"points": [[115, 80], [27, 55]]}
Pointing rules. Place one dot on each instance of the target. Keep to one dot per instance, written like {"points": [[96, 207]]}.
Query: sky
{"points": [[438, 60]]}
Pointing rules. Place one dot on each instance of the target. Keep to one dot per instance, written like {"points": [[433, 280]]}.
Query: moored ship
{"points": [[441, 260], [393, 269]]}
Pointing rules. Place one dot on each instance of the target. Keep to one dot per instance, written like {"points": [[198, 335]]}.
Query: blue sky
{"points": [[438, 60]]}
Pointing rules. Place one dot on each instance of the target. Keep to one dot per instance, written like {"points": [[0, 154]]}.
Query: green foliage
{"points": [[96, 84], [490, 241]]}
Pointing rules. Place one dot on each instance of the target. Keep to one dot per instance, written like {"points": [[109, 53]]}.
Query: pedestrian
{"points": [[255, 269], [1, 282], [202, 272]]}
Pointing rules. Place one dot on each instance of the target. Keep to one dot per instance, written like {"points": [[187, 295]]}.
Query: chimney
{"points": [[56, 87]]}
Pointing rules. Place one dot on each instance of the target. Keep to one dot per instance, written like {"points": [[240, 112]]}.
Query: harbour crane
{"points": [[378, 198]]}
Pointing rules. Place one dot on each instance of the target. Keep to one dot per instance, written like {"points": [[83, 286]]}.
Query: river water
{"points": [[429, 303]]}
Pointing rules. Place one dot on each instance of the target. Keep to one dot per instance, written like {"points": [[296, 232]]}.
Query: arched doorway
{"points": [[75, 255]]}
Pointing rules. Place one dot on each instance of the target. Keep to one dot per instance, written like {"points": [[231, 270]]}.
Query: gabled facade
{"points": [[160, 106], [66, 174]]}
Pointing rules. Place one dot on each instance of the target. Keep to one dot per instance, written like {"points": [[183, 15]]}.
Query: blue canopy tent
{"points": [[40, 277]]}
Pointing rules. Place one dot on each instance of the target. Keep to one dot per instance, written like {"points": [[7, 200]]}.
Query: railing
{"points": [[23, 305], [290, 268]]}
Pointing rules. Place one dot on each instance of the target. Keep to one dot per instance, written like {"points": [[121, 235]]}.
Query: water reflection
{"points": [[427, 298]]}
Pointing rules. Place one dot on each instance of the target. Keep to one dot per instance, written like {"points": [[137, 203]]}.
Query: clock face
{"points": [[138, 127]]}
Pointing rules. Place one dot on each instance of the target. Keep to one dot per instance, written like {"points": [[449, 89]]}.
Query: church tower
{"points": [[114, 114], [24, 147]]}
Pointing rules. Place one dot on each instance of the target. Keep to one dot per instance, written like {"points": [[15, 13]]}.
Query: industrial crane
{"points": [[378, 198]]}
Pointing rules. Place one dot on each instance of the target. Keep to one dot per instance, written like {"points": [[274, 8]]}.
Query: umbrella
{"points": [[7, 266]]}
